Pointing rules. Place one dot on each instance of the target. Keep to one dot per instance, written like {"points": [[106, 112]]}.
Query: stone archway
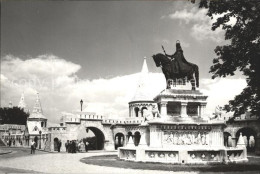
{"points": [[249, 136], [56, 143], [98, 142], [119, 140], [227, 140]]}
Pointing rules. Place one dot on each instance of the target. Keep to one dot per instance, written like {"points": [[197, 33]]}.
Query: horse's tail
{"points": [[196, 71]]}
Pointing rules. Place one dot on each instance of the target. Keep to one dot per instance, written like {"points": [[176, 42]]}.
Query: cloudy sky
{"points": [[94, 50]]}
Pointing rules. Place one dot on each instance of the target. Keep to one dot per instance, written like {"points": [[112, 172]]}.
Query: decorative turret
{"points": [[142, 99], [22, 104], [37, 110], [37, 122], [142, 93]]}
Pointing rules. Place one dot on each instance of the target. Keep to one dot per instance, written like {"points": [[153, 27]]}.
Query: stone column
{"points": [[199, 111], [202, 108], [163, 109], [139, 113], [155, 140], [184, 109], [130, 111], [125, 140]]}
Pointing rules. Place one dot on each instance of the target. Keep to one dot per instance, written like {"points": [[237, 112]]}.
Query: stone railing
{"points": [[113, 121], [71, 120], [91, 117], [242, 118], [183, 155], [57, 128]]}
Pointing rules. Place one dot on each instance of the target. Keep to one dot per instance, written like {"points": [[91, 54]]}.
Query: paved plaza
{"points": [[21, 161], [59, 163]]}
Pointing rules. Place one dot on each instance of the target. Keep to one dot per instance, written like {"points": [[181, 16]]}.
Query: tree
{"points": [[13, 115], [243, 52]]}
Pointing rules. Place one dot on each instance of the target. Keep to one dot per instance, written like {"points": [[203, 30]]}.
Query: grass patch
{"points": [[113, 161]]}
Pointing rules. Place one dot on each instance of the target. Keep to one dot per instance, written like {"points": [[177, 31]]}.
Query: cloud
{"points": [[221, 90], [62, 89], [200, 23], [192, 15]]}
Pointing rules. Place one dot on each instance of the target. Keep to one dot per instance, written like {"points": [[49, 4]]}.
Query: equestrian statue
{"points": [[175, 67]]}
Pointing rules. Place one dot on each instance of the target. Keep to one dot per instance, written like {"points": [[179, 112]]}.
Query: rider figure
{"points": [[178, 50]]}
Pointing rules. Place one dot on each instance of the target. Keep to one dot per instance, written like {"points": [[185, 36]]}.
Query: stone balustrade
{"points": [[57, 128], [91, 117], [113, 121], [254, 117], [183, 155]]}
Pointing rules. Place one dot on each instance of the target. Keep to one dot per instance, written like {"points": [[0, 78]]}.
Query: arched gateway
{"points": [[76, 126]]}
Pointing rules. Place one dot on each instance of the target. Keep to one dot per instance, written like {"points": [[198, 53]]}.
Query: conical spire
{"points": [[37, 109], [142, 93], [22, 103], [145, 67]]}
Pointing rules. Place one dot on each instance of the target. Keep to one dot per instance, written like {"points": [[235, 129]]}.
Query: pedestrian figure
{"points": [[73, 146], [82, 146], [59, 145], [67, 145], [86, 146], [70, 147], [32, 147]]}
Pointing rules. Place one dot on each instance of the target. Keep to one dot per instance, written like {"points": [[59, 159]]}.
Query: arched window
{"points": [[142, 110], [136, 111], [137, 138]]}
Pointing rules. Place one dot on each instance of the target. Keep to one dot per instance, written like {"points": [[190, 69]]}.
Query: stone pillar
{"points": [[142, 142], [125, 140], [163, 109], [139, 113], [199, 111], [202, 108], [184, 109], [130, 111], [155, 138]]}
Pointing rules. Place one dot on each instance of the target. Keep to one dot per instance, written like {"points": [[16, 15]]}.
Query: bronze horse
{"points": [[177, 68]]}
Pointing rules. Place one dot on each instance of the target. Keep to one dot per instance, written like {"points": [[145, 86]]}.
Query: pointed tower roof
{"points": [[37, 109], [142, 91], [22, 103]]}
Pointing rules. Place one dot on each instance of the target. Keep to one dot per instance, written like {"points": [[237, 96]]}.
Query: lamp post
{"points": [[40, 132], [9, 142], [81, 103]]}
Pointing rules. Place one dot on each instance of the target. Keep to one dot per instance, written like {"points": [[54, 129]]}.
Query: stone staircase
{"points": [[2, 142]]}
